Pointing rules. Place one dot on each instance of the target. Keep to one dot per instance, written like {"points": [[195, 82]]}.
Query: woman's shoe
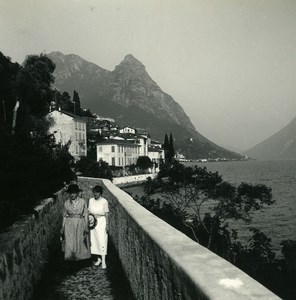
{"points": [[98, 262]]}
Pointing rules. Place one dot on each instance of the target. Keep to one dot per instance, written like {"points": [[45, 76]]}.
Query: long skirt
{"points": [[76, 247], [99, 237]]}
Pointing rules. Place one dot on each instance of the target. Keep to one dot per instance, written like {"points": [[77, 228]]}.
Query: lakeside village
{"points": [[118, 146]]}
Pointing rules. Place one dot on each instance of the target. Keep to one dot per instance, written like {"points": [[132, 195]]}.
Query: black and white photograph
{"points": [[148, 149]]}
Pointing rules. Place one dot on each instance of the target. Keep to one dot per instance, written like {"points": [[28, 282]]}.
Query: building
{"points": [[68, 127], [119, 153], [156, 155], [127, 129]]}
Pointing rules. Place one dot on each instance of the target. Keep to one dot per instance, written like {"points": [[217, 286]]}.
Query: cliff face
{"points": [[281, 145], [132, 86], [130, 96]]}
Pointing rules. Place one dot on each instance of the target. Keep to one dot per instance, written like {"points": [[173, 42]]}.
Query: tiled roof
{"points": [[117, 142], [70, 115]]}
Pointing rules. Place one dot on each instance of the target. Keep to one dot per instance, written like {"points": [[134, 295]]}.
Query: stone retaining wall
{"points": [[25, 247], [162, 263], [131, 180]]}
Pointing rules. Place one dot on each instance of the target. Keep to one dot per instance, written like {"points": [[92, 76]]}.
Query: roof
{"points": [[70, 115], [151, 149], [118, 142]]}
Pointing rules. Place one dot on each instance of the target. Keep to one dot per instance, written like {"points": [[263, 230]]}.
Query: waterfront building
{"points": [[156, 155], [118, 152]]}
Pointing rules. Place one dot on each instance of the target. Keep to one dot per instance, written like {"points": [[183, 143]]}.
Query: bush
{"points": [[144, 162], [89, 168], [31, 169]]}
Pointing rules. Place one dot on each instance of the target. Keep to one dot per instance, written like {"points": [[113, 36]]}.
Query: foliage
{"points": [[171, 148], [89, 168], [144, 162], [182, 193], [63, 101], [31, 169], [168, 146], [76, 101], [34, 81], [191, 189], [32, 165], [289, 262], [8, 93]]}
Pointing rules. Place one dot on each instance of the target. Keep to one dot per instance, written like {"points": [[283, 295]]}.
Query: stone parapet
{"points": [[162, 263], [25, 248], [132, 180]]}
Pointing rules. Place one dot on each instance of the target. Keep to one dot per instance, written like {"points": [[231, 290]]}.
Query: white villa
{"points": [[119, 153], [69, 127]]}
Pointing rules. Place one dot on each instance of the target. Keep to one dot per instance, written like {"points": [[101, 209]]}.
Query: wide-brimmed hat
{"points": [[92, 221], [73, 188]]}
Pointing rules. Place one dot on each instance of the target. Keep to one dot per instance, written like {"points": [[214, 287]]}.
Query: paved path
{"points": [[85, 282], [88, 283]]}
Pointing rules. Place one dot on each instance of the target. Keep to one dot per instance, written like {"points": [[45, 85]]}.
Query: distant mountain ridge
{"points": [[281, 145], [130, 96]]}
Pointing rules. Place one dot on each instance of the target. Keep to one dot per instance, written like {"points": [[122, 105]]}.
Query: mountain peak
{"points": [[129, 95], [130, 62], [129, 58]]}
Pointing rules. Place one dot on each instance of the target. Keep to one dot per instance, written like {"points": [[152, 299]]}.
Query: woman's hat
{"points": [[73, 188], [92, 221]]}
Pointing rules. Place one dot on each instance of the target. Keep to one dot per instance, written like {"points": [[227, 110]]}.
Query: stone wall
{"points": [[25, 247], [162, 263], [131, 180]]}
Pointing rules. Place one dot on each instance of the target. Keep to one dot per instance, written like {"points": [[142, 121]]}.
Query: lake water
{"points": [[277, 221]]}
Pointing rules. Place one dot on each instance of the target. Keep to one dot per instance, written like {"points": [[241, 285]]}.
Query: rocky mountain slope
{"points": [[281, 145], [131, 97]]}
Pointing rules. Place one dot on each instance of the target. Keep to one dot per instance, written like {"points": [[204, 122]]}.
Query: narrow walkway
{"points": [[85, 281]]}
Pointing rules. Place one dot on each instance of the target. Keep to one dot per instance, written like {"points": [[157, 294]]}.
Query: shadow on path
{"points": [[83, 280]]}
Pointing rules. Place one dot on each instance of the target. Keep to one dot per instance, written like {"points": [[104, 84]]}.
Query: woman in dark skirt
{"points": [[75, 226]]}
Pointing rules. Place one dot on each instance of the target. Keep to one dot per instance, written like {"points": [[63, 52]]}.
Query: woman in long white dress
{"points": [[98, 206]]}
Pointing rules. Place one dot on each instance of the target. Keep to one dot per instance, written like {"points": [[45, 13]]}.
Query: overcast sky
{"points": [[231, 64]]}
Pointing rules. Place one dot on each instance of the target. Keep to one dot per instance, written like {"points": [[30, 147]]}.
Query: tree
{"points": [[89, 168], [8, 94], [144, 162], [34, 82], [168, 147], [63, 101], [34, 92], [200, 204], [32, 165], [171, 148], [76, 101], [192, 189], [165, 146]]}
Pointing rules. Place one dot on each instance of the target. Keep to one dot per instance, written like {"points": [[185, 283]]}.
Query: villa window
{"points": [[112, 148]]}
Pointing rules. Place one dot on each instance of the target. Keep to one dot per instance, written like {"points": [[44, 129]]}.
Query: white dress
{"points": [[98, 235]]}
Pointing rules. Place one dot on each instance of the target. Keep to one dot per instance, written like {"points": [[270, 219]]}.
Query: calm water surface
{"points": [[277, 221]]}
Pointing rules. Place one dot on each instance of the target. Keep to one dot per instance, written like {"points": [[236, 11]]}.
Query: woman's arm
{"points": [[107, 221], [63, 222], [85, 214]]}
